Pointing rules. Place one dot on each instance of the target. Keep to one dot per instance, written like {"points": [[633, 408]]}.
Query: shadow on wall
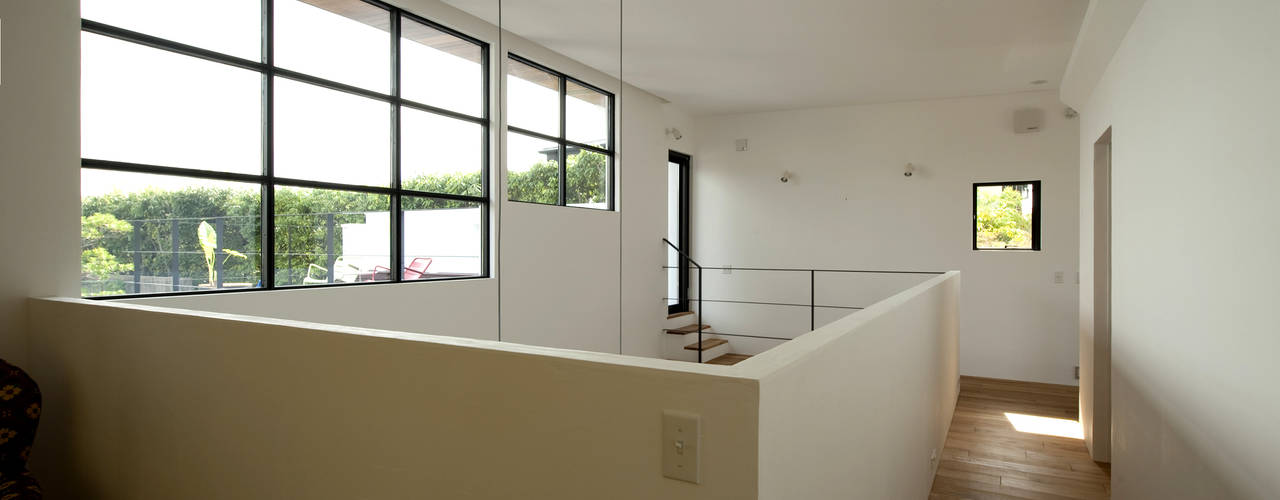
{"points": [[1151, 458]]}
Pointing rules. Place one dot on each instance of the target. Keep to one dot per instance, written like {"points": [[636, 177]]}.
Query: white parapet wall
{"points": [[860, 408], [144, 402], [148, 402]]}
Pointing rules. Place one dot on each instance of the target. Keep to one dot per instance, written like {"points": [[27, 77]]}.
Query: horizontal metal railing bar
{"points": [[813, 270], [753, 336], [775, 304]]}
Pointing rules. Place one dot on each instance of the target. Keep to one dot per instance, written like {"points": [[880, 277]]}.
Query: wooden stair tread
{"points": [[677, 315], [729, 359], [705, 344], [686, 329]]}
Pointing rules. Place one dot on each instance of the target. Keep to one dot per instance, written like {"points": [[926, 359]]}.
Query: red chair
{"points": [[380, 273], [417, 268]]}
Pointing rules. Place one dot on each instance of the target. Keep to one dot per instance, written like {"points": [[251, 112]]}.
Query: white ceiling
{"points": [[732, 56]]}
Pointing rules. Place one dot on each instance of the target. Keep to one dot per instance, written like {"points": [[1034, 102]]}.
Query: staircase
{"points": [[682, 342]]}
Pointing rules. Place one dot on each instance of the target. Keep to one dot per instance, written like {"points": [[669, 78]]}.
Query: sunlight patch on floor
{"points": [[1048, 426]]}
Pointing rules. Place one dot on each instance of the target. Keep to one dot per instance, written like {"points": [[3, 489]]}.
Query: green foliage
{"points": [[111, 222], [98, 227], [96, 262], [586, 176], [1001, 223]]}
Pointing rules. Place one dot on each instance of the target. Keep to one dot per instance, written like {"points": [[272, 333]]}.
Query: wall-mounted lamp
{"points": [[674, 133], [909, 170]]}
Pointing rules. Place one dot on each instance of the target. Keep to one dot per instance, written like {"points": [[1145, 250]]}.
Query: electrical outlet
{"points": [[1077, 373], [740, 145], [681, 439], [1058, 277]]}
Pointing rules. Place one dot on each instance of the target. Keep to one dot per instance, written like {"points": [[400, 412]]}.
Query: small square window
{"points": [[1006, 215]]}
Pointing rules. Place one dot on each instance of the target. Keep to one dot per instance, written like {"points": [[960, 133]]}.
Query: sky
{"points": [[145, 105]]}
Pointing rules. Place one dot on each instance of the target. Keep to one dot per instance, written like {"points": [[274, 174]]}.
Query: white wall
{"points": [[1191, 99], [858, 408], [465, 308], [39, 160], [147, 402], [848, 206], [156, 403]]}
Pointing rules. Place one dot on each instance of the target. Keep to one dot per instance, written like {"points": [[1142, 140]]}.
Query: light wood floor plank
{"points": [[987, 458]]}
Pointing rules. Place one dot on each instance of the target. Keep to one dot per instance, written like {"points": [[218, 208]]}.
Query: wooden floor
{"points": [[986, 458]]}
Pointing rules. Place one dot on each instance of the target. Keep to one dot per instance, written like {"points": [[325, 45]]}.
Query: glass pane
{"points": [[533, 169], [587, 174], [442, 238], [143, 233], [588, 115], [1004, 216], [332, 136], [533, 99], [145, 105], [325, 236], [346, 41], [440, 154], [440, 69], [233, 27], [674, 174]]}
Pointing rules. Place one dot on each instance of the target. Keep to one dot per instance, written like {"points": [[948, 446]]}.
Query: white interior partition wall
{"points": [[147, 402]]}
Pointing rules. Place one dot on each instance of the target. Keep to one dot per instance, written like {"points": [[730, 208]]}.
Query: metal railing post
{"points": [[328, 238], [813, 302], [700, 317], [137, 257], [173, 261]]}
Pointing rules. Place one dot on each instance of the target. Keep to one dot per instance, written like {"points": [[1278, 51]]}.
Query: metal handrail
{"points": [[698, 315], [812, 305]]}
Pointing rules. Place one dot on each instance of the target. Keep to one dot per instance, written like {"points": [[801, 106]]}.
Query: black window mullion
{"points": [[564, 147], [611, 168], [268, 206], [397, 216]]}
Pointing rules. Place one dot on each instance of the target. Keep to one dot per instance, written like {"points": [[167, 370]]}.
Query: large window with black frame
{"points": [[551, 116], [259, 144]]}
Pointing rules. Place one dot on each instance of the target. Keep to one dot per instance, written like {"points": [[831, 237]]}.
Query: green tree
{"points": [[1001, 223], [96, 262]]}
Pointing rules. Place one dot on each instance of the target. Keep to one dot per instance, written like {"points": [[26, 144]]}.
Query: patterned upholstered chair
{"points": [[19, 416]]}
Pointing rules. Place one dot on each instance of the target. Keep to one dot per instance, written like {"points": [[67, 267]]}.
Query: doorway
{"points": [[678, 231], [1095, 353]]}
